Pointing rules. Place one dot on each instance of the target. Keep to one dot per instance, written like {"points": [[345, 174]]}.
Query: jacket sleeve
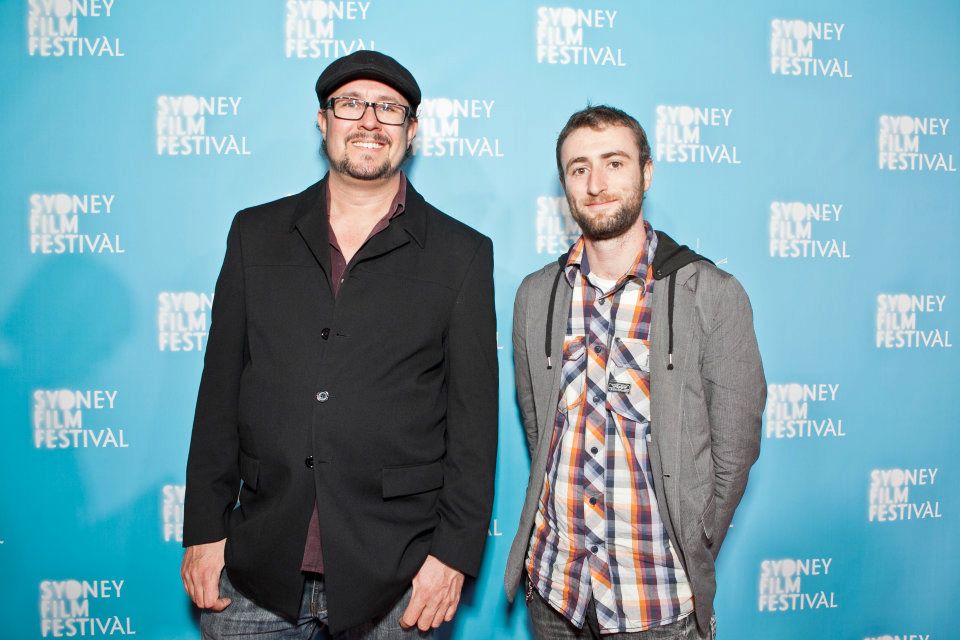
{"points": [[213, 475], [469, 465], [521, 368], [735, 393]]}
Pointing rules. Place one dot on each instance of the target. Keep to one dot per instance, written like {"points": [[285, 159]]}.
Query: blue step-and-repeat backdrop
{"points": [[810, 148]]}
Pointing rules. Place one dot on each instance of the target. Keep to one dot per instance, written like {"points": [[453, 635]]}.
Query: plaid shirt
{"points": [[598, 531]]}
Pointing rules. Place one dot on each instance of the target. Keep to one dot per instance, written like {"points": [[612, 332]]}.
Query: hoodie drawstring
{"points": [[671, 290], [553, 300]]}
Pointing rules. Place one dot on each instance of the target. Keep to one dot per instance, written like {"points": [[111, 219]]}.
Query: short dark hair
{"points": [[600, 117]]}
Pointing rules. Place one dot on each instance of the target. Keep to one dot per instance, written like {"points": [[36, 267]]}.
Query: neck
{"points": [[350, 196], [611, 258]]}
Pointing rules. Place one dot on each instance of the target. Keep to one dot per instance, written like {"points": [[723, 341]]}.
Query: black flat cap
{"points": [[370, 65]]}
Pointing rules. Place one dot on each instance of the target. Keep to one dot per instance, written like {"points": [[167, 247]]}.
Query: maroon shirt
{"points": [[312, 553]]}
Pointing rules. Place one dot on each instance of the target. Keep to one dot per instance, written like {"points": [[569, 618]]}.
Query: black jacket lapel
{"points": [[310, 219]]}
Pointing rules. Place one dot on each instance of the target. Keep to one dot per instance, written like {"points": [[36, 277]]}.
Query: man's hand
{"points": [[436, 594], [202, 564]]}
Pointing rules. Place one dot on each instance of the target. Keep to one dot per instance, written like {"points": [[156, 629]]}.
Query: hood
{"points": [[671, 257]]}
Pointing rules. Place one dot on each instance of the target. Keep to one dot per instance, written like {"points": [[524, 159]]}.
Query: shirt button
{"points": [[325, 333], [602, 301], [594, 549], [598, 349], [596, 399], [309, 462], [593, 501], [322, 396], [594, 450]]}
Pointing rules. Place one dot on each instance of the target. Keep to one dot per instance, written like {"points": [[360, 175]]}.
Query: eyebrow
{"points": [[609, 154], [380, 98]]}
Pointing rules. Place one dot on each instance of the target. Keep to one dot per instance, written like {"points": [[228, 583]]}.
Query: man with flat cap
{"points": [[342, 459]]}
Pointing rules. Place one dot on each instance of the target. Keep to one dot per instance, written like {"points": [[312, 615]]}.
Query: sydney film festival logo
{"points": [[795, 585], [54, 29], [311, 28], [693, 135], [68, 609], [183, 320], [560, 37], [54, 223], [456, 128], [908, 321], [792, 49], [792, 226], [556, 228], [893, 495], [798, 411], [61, 419], [899, 148], [172, 512], [195, 126]]}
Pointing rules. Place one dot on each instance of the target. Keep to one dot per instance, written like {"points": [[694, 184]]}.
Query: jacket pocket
{"points": [[628, 378], [408, 480], [249, 471], [573, 376]]}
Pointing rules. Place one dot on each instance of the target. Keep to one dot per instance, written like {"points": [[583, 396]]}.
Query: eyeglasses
{"points": [[354, 108]]}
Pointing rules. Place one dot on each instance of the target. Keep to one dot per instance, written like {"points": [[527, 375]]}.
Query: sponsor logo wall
{"points": [[796, 147]]}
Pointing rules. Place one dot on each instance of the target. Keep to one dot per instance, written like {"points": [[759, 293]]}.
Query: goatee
{"points": [[361, 171]]}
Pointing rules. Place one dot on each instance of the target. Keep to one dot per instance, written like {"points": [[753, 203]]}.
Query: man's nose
{"points": [[596, 183], [369, 118]]}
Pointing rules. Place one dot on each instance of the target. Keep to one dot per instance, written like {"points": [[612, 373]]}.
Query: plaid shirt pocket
{"points": [[628, 378], [574, 373]]}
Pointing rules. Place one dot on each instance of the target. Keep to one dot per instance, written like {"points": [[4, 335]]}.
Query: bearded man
{"points": [[641, 389], [342, 459]]}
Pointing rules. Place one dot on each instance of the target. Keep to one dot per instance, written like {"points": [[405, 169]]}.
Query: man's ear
{"points": [[412, 125], [322, 123]]}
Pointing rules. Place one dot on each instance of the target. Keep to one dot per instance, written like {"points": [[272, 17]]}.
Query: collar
{"points": [[577, 260], [311, 210]]}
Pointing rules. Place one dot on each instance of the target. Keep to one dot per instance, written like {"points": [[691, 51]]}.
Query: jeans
{"points": [[549, 624], [243, 619]]}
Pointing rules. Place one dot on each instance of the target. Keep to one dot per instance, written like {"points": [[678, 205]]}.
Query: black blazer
{"points": [[380, 405]]}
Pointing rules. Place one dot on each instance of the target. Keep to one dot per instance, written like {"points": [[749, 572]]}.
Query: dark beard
{"points": [[344, 166], [613, 225]]}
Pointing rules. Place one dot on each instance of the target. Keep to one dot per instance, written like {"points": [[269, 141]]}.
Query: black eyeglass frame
{"points": [[330, 104]]}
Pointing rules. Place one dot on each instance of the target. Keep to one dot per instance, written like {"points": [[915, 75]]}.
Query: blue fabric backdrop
{"points": [[807, 147]]}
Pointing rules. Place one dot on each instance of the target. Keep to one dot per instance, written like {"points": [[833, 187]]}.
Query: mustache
{"points": [[362, 137], [598, 200]]}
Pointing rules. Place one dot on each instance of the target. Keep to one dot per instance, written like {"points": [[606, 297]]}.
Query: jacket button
{"points": [[322, 396], [325, 333], [309, 462]]}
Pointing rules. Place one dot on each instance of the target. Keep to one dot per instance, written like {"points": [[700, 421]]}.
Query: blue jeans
{"points": [[244, 619]]}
